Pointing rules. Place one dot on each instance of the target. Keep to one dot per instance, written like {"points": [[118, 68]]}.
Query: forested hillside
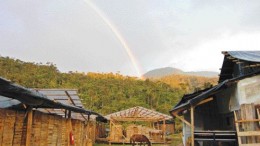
{"points": [[188, 83], [104, 93]]}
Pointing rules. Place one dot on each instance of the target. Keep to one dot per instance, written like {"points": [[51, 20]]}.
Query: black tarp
{"points": [[36, 99], [192, 99]]}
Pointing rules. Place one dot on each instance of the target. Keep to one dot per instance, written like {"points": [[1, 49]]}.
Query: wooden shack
{"points": [[228, 113], [28, 117], [149, 118]]}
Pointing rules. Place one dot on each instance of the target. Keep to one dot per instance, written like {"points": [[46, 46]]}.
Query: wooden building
{"points": [[228, 113], [137, 120], [28, 117]]}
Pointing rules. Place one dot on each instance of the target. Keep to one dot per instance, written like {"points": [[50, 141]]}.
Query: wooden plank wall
{"points": [[46, 129], [247, 127]]}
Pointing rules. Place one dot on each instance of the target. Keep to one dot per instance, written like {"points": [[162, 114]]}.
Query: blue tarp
{"points": [[8, 102], [253, 56]]}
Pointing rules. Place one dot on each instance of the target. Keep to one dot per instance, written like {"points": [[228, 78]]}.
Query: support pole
{"points": [[182, 119], [192, 125], [29, 126], [69, 127], [110, 125], [164, 131]]}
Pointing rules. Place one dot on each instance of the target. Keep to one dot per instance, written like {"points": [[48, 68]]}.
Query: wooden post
{"points": [[95, 127], [110, 127], [65, 113], [237, 128], [29, 126], [164, 131], [192, 125], [69, 126]]}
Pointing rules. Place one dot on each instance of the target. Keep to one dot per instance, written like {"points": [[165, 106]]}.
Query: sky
{"points": [[129, 37]]}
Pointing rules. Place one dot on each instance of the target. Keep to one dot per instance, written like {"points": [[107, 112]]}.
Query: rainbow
{"points": [[119, 37]]}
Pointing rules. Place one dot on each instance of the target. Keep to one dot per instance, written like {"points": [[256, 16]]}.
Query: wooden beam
{"points": [[250, 144], [69, 129], [135, 119], [204, 101], [135, 111], [144, 112], [29, 126], [148, 113], [248, 133], [73, 103], [182, 119], [192, 123], [249, 120], [237, 129]]}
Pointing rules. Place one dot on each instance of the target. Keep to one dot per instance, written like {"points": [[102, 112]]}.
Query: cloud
{"points": [[160, 33]]}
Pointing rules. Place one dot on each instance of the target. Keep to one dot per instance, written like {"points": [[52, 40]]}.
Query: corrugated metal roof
{"points": [[35, 99], [65, 96]]}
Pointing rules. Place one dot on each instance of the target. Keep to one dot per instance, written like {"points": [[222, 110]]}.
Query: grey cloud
{"points": [[160, 33]]}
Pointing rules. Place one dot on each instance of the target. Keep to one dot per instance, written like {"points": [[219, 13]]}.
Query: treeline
{"points": [[104, 93], [107, 92], [189, 83]]}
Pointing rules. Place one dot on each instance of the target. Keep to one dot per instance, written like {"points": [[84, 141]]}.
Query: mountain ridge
{"points": [[166, 71]]}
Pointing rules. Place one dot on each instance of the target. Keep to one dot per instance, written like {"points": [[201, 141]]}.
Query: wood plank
{"points": [[251, 144], [237, 128], [247, 120], [249, 133], [204, 101], [46, 120], [63, 132], [50, 138], [258, 116], [36, 128], [248, 112], [59, 131], [9, 127], [192, 125], [182, 119], [2, 120], [164, 131], [18, 130], [29, 126]]}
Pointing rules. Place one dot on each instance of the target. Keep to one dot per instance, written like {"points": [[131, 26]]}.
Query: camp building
{"points": [[40, 117], [139, 120], [228, 113]]}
